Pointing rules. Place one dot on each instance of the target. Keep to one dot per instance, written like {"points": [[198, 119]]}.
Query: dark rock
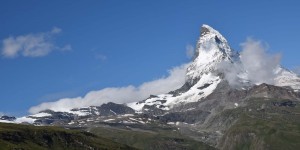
{"points": [[54, 118], [204, 31], [8, 118], [285, 104], [153, 110], [217, 40], [114, 109], [152, 96], [161, 101], [184, 88], [204, 86]]}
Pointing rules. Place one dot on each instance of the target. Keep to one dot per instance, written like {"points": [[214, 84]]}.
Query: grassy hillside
{"points": [[265, 124], [13, 136], [156, 139]]}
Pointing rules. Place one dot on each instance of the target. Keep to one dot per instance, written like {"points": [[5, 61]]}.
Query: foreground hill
{"points": [[264, 124], [28, 137]]}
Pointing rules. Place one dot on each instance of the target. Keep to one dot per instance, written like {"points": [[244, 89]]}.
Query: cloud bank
{"points": [[32, 45], [255, 65], [174, 80]]}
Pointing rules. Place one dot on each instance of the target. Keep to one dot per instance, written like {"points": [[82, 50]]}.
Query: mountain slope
{"points": [[154, 139], [264, 124]]}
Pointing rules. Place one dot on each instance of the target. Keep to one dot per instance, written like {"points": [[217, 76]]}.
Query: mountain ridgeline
{"points": [[207, 112]]}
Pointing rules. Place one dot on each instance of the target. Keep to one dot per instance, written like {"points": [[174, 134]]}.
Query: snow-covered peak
{"points": [[209, 34], [207, 30], [287, 78], [212, 48], [202, 76]]}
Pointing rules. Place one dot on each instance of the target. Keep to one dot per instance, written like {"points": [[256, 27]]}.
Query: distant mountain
{"points": [[207, 108]]}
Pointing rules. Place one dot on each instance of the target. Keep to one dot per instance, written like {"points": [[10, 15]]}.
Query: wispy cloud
{"points": [[32, 45], [190, 51], [67, 47], [297, 70], [101, 57], [259, 64], [255, 60], [174, 80]]}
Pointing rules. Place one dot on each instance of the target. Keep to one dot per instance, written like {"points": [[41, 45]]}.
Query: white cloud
{"points": [[174, 80], [259, 64], [231, 70], [31, 45], [56, 30], [67, 47], [255, 61], [190, 51]]}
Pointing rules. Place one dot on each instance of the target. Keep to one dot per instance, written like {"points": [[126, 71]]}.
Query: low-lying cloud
{"points": [[259, 64], [231, 72], [256, 64], [174, 80], [32, 45]]}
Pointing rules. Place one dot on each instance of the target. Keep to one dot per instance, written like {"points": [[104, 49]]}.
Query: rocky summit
{"points": [[207, 112]]}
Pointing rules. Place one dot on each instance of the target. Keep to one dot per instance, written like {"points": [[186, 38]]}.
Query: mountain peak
{"points": [[211, 40], [209, 32], [206, 29], [212, 48]]}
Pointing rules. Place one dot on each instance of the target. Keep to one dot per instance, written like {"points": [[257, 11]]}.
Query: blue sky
{"points": [[98, 44]]}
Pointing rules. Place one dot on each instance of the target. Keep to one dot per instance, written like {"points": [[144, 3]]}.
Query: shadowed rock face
{"points": [[8, 118], [204, 30], [271, 91], [287, 103], [114, 109], [57, 118]]}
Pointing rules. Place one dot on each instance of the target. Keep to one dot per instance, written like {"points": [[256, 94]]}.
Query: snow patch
{"points": [[236, 104], [24, 120], [42, 114], [108, 120]]}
